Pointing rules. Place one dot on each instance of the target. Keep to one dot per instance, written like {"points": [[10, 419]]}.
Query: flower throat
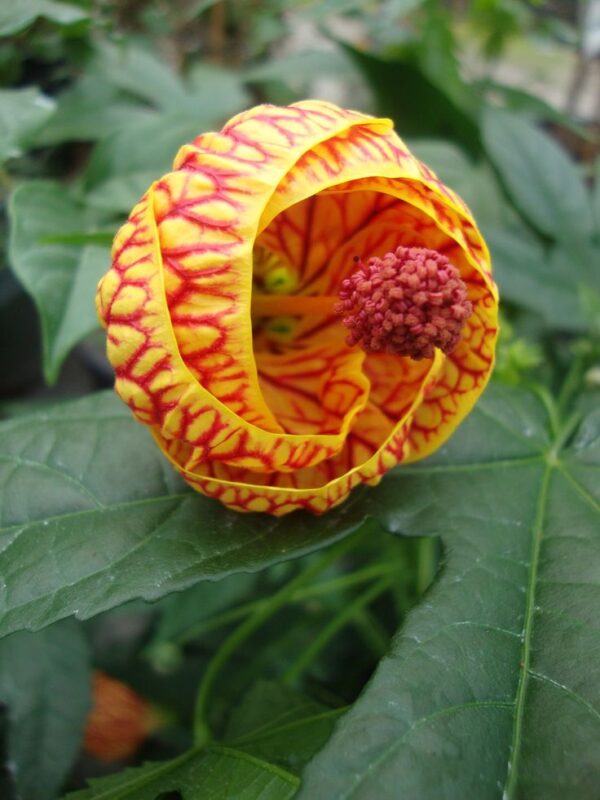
{"points": [[406, 303]]}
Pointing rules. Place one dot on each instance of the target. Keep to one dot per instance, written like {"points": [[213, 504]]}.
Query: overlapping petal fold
{"points": [[258, 400]]}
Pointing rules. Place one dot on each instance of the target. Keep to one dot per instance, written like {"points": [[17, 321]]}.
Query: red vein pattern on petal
{"points": [[189, 369], [317, 489], [177, 307]]}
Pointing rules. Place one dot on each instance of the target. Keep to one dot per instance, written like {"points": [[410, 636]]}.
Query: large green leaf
{"points": [[137, 70], [430, 111], [539, 176], [92, 515], [218, 773], [16, 16], [45, 684], [474, 182], [539, 279], [22, 113], [60, 277], [91, 109], [492, 688]]}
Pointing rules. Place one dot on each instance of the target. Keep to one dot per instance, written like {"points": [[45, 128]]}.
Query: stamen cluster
{"points": [[407, 303]]}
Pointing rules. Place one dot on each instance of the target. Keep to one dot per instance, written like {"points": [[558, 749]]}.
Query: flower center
{"points": [[406, 303]]}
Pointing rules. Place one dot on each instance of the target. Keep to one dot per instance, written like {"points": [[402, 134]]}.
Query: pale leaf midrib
{"points": [[520, 696]]}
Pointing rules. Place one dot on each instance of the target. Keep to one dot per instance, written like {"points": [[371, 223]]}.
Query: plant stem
{"points": [[426, 564], [372, 632], [331, 629], [305, 593], [572, 382], [266, 609]]}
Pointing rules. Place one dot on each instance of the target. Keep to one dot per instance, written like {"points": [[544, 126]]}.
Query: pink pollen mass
{"points": [[407, 303]]}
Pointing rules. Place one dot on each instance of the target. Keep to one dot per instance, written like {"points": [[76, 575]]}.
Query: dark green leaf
{"points": [[7, 785], [18, 15], [280, 725], [45, 683], [538, 280], [492, 688], [430, 112], [541, 179], [524, 103], [92, 515], [89, 110], [22, 113], [61, 278], [218, 773]]}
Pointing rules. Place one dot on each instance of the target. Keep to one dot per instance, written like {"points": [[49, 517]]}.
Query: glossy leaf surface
{"points": [[492, 688], [86, 483]]}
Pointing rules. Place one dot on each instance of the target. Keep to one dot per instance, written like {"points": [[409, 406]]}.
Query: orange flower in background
{"points": [[297, 307], [120, 720]]}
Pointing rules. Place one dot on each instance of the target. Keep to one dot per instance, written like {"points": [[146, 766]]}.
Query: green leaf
{"points": [[136, 70], [474, 182], [7, 785], [91, 515], [522, 102], [540, 178], [542, 281], [430, 111], [16, 16], [216, 93], [91, 109], [61, 278], [299, 69], [492, 688], [45, 683], [22, 113], [218, 773], [280, 725], [121, 170]]}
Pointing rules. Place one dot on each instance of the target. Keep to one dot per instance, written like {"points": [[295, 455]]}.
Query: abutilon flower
{"points": [[297, 307], [120, 720]]}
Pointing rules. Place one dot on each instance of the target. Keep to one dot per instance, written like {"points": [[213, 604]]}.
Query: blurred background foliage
{"points": [[500, 97]]}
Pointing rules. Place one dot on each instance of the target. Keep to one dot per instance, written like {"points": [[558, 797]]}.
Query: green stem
{"points": [[572, 382], [549, 404], [372, 632], [331, 629], [266, 609], [563, 436], [305, 593], [426, 564]]}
